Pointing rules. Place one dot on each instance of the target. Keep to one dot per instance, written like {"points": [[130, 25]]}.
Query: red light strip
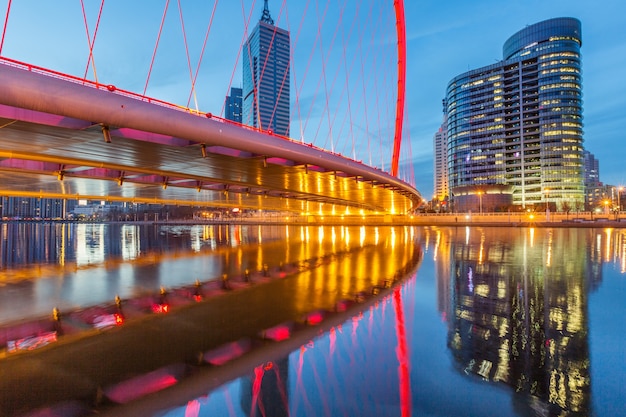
{"points": [[256, 390], [401, 29], [403, 357]]}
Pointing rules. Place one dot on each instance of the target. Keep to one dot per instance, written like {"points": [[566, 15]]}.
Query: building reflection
{"points": [[518, 309]]}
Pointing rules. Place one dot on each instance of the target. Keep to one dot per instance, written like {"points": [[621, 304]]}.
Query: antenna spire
{"points": [[266, 18]]}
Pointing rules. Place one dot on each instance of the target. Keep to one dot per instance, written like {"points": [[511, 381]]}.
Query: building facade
{"points": [[519, 122], [233, 105], [266, 77], [440, 161], [34, 208]]}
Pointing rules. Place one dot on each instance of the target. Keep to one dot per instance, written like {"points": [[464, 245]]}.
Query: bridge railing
{"points": [[113, 89]]}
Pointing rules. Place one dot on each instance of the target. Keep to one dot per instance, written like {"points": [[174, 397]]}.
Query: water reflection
{"points": [[497, 320], [75, 265], [333, 374], [519, 315], [514, 322]]}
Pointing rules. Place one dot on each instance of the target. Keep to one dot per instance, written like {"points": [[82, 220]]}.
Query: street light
{"points": [[619, 206], [480, 199]]}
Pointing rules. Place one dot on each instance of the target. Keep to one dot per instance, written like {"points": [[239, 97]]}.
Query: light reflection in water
{"points": [[513, 303], [96, 262], [515, 306], [310, 381]]}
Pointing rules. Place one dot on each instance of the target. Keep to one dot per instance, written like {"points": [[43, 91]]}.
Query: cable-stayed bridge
{"points": [[71, 137]]}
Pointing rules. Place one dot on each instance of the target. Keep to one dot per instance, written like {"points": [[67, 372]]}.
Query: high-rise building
{"points": [[266, 82], [518, 123], [440, 168], [591, 170], [233, 104]]}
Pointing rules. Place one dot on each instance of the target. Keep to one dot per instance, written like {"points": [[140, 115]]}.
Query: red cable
{"points": [[6, 22], [330, 131], [243, 42], [91, 42], [364, 106], [182, 26], [293, 67], [346, 88], [367, 128], [377, 102], [308, 66], [332, 85], [206, 38], [265, 66], [156, 45]]}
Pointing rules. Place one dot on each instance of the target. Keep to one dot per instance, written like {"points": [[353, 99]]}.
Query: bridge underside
{"points": [[60, 139]]}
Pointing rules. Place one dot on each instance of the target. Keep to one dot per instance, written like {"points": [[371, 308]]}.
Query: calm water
{"points": [[496, 321]]}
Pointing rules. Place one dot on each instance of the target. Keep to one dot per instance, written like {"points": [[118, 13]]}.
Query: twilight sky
{"points": [[444, 39]]}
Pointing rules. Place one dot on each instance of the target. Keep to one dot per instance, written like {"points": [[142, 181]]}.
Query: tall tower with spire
{"points": [[266, 80]]}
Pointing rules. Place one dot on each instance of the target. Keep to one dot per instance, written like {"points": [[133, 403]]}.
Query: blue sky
{"points": [[443, 40]]}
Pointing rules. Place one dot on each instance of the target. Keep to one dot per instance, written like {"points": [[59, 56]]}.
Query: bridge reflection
{"points": [[324, 268]]}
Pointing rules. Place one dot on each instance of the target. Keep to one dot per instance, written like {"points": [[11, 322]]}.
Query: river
{"points": [[495, 321]]}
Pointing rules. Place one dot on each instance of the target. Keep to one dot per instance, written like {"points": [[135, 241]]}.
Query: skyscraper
{"points": [[440, 166], [518, 122], [592, 170], [266, 82], [233, 104]]}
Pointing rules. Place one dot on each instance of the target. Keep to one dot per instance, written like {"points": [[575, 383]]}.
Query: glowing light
{"points": [[314, 318], [161, 308]]}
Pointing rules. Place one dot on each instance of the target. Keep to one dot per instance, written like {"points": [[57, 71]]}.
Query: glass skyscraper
{"points": [[233, 104], [266, 82], [517, 124]]}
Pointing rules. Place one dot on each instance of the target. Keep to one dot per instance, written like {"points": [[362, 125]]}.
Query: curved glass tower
{"points": [[518, 123]]}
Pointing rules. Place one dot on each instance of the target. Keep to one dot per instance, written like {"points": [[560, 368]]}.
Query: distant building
{"points": [[518, 122], [35, 208], [591, 170], [233, 105], [594, 191], [440, 168], [266, 81]]}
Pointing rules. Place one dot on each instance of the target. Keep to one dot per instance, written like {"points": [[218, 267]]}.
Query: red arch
{"points": [[401, 30]]}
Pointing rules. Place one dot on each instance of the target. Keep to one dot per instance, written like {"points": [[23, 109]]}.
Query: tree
{"points": [[566, 207]]}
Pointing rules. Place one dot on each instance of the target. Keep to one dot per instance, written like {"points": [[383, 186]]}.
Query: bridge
{"points": [[68, 137]]}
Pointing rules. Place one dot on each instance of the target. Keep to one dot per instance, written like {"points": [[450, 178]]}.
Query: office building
{"points": [[233, 105], [440, 166], [591, 170], [515, 127], [266, 82]]}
